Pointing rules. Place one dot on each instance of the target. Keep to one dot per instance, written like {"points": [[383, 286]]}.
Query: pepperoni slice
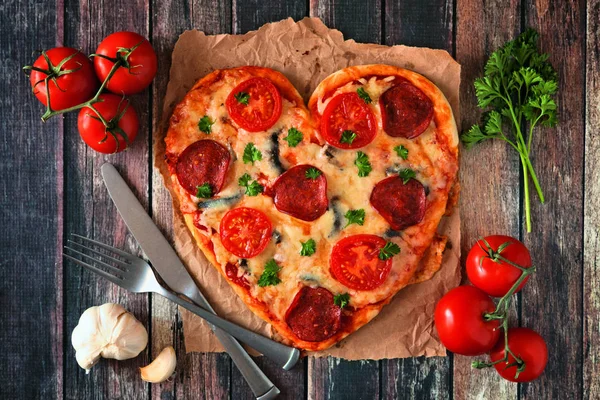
{"points": [[401, 205], [300, 196], [231, 270], [313, 316], [245, 232], [355, 262], [204, 161], [405, 111], [255, 104], [348, 112]]}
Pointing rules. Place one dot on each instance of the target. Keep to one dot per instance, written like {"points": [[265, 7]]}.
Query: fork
{"points": [[136, 275]]}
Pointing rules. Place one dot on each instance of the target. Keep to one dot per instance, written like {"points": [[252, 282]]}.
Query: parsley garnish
{"points": [[205, 125], [363, 164], [516, 93], [341, 300], [362, 93], [251, 154], [388, 251], [269, 276], [401, 151], [253, 188], [407, 174], [242, 98], [312, 173], [348, 137], [294, 137], [308, 248], [204, 191], [355, 217]]}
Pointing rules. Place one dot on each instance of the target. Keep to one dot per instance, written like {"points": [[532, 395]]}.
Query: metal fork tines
{"points": [[136, 275]]}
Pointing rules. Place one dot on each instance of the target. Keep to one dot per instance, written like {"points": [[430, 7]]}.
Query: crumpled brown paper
{"points": [[306, 52]]}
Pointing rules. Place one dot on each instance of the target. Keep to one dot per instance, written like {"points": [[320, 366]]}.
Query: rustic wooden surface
{"points": [[51, 187]]}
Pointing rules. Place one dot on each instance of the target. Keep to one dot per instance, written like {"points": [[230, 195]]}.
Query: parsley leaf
{"points": [[388, 251], [341, 300], [242, 98], [516, 94], [308, 248], [312, 173], [363, 164], [253, 188], [205, 125], [251, 154], [362, 93], [401, 151], [269, 276], [204, 191], [406, 174], [294, 137], [355, 217], [348, 137]]}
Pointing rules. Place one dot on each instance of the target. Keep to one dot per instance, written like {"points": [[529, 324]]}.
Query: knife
{"points": [[170, 268]]}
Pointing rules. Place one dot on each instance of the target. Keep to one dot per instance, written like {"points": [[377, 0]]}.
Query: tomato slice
{"points": [[355, 262], [348, 112], [255, 104], [245, 232]]}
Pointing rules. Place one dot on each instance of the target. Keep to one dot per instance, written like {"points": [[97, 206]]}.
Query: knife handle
{"points": [[284, 355]]}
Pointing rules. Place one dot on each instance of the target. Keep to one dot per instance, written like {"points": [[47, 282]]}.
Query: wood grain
{"points": [[356, 19], [591, 213], [553, 299], [31, 185], [198, 375], [92, 213], [414, 23], [489, 177]]}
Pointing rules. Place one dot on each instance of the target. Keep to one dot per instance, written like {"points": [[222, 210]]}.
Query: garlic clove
{"points": [[161, 368]]}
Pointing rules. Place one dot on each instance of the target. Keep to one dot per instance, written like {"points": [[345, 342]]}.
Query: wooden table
{"points": [[51, 186]]}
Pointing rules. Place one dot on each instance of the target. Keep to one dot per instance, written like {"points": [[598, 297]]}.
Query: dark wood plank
{"points": [[89, 210], [490, 195], [198, 375], [332, 378], [249, 15], [591, 215], [415, 23], [553, 299], [31, 171], [356, 19]]}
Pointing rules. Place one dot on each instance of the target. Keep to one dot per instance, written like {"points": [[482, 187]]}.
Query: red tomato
{"points": [[119, 133], [255, 104], [460, 323], [497, 277], [530, 347], [139, 67], [69, 89], [355, 262], [348, 112], [245, 232]]}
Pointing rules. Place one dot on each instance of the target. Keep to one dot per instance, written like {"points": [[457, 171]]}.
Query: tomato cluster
{"points": [[470, 323], [63, 79]]}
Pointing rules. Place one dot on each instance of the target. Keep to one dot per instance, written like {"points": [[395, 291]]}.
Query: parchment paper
{"points": [[306, 52]]}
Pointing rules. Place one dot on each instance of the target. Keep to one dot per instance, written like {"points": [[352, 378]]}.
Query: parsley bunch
{"points": [[517, 92]]}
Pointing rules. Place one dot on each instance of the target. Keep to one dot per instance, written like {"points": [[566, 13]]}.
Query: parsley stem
{"points": [[527, 202]]}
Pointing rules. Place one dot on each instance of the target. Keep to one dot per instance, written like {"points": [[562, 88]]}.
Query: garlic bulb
{"points": [[107, 331], [161, 368]]}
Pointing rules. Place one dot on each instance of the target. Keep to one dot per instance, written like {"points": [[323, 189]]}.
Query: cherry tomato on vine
{"points": [[138, 58], [459, 320], [527, 345], [494, 276], [71, 78], [121, 127]]}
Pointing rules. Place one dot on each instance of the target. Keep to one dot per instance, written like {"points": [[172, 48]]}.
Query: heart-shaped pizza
{"points": [[315, 216]]}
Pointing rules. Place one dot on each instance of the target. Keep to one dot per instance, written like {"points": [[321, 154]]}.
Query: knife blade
{"points": [[170, 268]]}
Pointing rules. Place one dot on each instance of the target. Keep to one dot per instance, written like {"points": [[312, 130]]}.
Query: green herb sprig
{"points": [[341, 300], [363, 164], [251, 154], [269, 276], [355, 217], [308, 248], [294, 137], [253, 188], [516, 93]]}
